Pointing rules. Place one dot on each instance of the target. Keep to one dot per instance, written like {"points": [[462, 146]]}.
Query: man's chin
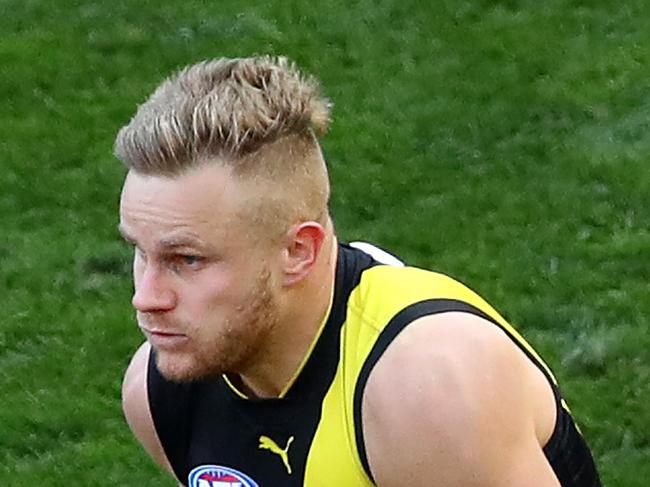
{"points": [[181, 368]]}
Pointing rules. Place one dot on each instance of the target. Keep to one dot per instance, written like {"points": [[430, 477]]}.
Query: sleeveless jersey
{"points": [[311, 436]]}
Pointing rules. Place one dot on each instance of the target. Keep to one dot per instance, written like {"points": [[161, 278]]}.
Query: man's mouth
{"points": [[164, 339]]}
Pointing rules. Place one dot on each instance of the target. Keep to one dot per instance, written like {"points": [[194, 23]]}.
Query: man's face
{"points": [[204, 288]]}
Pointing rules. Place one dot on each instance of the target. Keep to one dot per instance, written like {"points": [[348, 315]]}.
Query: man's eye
{"points": [[180, 262], [190, 260]]}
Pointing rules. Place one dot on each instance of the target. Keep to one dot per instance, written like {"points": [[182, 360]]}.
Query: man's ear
{"points": [[304, 244]]}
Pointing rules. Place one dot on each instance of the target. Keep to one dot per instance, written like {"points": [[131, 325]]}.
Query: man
{"points": [[276, 356]]}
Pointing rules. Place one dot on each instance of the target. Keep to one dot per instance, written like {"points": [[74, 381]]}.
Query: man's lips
{"points": [[164, 338], [153, 331]]}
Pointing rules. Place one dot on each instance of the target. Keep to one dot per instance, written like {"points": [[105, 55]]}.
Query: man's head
{"points": [[226, 204], [257, 116]]}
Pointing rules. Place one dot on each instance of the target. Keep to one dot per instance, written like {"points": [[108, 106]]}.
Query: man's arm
{"points": [[135, 404], [454, 403]]}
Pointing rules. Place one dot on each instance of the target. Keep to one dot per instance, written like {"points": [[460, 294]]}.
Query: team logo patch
{"points": [[216, 476]]}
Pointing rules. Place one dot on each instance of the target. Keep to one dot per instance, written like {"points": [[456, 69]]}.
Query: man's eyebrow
{"points": [[181, 240]]}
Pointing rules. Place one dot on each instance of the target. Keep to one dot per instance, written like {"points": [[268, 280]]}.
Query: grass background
{"points": [[503, 142]]}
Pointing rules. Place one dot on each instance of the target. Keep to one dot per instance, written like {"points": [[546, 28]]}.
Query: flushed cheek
{"points": [[207, 325], [207, 303]]}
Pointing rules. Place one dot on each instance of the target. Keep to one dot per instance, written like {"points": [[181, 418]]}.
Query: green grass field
{"points": [[503, 142]]}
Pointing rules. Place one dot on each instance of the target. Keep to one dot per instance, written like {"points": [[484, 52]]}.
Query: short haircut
{"points": [[260, 116]]}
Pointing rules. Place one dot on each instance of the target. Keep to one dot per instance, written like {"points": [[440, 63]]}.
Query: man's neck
{"points": [[305, 313]]}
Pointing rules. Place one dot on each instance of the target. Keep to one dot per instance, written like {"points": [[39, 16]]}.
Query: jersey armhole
{"points": [[390, 332], [567, 440]]}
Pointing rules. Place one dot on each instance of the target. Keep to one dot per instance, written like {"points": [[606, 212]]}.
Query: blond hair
{"points": [[222, 108], [260, 116]]}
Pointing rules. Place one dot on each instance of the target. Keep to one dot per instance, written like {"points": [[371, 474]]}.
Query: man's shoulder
{"points": [[135, 405], [460, 362], [134, 388], [456, 378], [452, 349]]}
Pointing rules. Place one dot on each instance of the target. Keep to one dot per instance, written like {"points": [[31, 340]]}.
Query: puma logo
{"points": [[267, 443]]}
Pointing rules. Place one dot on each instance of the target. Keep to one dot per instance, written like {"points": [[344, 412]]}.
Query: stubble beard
{"points": [[238, 343]]}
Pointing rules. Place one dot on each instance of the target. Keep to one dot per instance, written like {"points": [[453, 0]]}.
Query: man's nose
{"points": [[152, 292]]}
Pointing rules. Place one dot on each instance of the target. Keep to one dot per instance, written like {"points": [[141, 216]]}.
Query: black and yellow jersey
{"points": [[214, 436]]}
